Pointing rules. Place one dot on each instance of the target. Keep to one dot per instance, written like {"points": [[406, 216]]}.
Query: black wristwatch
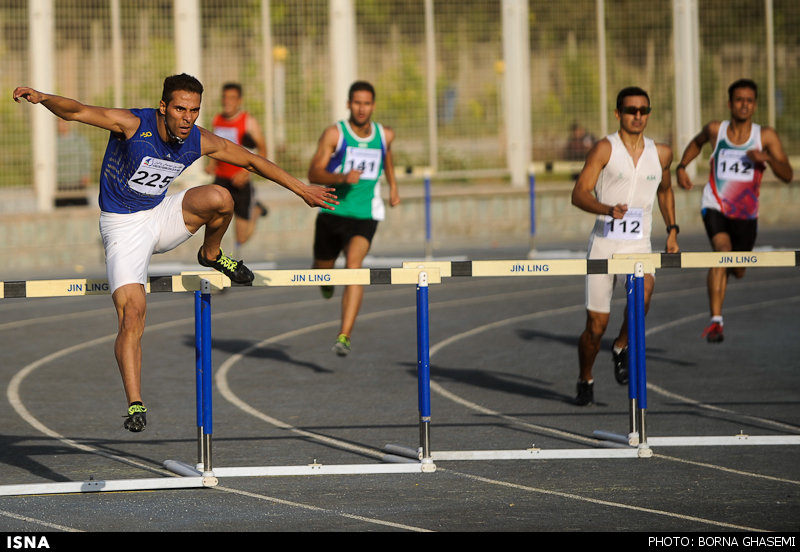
{"points": [[675, 226]]}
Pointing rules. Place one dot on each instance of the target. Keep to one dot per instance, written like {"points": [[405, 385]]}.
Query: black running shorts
{"points": [[242, 197], [332, 233], [742, 231]]}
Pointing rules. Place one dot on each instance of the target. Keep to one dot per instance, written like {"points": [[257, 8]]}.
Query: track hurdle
{"points": [[86, 286], [637, 442], [636, 268], [732, 259], [392, 463]]}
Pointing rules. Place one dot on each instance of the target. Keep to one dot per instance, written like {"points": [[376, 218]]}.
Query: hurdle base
{"points": [[632, 439], [315, 468], [740, 439], [604, 450], [725, 440], [113, 485], [533, 454]]}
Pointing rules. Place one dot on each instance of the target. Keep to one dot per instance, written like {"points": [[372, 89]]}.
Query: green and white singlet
{"points": [[362, 200]]}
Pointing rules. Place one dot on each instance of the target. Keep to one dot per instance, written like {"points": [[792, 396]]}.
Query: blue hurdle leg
{"points": [[206, 363], [423, 366], [198, 361], [632, 358], [641, 378]]}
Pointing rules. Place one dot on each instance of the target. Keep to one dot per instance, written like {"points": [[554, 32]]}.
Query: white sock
{"points": [[717, 319]]}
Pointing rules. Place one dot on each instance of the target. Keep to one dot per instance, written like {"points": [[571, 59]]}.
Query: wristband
{"points": [[680, 166], [673, 226]]}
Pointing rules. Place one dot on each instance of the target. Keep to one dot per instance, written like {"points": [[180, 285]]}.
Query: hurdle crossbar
{"points": [[191, 281], [649, 262], [94, 286], [342, 277], [711, 259], [535, 267]]}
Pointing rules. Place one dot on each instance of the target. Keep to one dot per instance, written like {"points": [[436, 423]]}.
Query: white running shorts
{"points": [[600, 287], [130, 239]]}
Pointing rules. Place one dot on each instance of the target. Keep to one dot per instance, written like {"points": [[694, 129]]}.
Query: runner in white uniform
{"points": [[623, 175]]}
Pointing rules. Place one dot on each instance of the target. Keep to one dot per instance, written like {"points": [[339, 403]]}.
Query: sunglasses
{"points": [[631, 110]]}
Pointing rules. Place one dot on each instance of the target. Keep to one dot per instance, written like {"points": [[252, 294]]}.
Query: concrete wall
{"points": [[67, 241]]}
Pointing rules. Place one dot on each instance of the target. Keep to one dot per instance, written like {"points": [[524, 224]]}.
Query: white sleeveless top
{"points": [[623, 182]]}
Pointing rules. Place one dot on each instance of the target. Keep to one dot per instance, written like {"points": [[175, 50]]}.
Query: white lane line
{"points": [[324, 510], [729, 470], [600, 502], [35, 521]]}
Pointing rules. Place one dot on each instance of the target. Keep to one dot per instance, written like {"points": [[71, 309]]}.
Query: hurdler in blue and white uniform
{"points": [[624, 174], [137, 217], [147, 150]]}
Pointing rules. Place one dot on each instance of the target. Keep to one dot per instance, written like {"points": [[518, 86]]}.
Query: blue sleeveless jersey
{"points": [[137, 172]]}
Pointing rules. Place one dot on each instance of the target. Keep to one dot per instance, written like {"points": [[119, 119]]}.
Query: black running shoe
{"points": [[585, 395], [136, 420], [620, 366], [235, 270]]}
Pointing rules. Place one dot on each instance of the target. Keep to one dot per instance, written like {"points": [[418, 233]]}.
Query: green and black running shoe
{"points": [[136, 420], [342, 345], [235, 270]]}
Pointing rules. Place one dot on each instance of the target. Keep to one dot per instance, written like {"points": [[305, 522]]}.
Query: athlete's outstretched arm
{"points": [[120, 121], [225, 150]]}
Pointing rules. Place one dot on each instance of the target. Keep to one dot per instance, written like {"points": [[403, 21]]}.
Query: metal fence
{"points": [[117, 52]]}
